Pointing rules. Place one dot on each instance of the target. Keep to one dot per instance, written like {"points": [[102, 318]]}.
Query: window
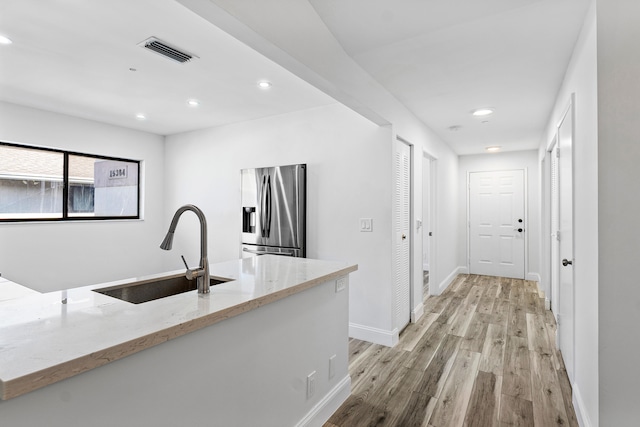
{"points": [[46, 184]]}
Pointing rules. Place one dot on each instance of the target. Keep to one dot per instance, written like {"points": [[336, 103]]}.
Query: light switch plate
{"points": [[366, 225]]}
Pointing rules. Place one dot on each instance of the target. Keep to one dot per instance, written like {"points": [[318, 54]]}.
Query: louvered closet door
{"points": [[402, 204]]}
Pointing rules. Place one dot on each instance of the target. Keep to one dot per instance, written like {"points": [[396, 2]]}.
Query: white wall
{"points": [[349, 177], [581, 79], [56, 255], [527, 160], [316, 56], [618, 205]]}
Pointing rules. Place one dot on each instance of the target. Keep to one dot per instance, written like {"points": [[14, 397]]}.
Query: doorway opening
{"points": [[429, 175]]}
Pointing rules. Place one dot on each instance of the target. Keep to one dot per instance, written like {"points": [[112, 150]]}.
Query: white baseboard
{"points": [[578, 405], [417, 313], [533, 276], [374, 335], [328, 405], [448, 280]]}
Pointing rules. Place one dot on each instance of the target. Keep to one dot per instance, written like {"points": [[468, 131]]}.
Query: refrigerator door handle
{"points": [[268, 213], [263, 207]]}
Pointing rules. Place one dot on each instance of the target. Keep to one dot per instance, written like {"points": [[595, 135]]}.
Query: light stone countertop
{"points": [[10, 290], [43, 341]]}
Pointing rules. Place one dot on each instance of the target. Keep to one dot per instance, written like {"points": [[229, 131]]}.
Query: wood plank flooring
{"points": [[483, 354]]}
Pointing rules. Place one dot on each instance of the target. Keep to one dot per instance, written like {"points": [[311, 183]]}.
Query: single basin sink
{"points": [[149, 290]]}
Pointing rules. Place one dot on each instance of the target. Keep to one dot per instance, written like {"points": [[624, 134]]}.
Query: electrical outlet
{"points": [[366, 225], [311, 384], [341, 283], [332, 366]]}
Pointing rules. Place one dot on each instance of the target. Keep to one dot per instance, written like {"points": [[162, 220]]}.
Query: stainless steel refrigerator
{"points": [[274, 211]]}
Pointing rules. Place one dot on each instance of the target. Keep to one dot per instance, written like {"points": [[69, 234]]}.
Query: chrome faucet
{"points": [[201, 273]]}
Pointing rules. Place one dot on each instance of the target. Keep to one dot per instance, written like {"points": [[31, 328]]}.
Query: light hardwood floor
{"points": [[481, 355]]}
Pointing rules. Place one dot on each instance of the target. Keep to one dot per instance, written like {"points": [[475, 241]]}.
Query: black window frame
{"points": [[65, 188]]}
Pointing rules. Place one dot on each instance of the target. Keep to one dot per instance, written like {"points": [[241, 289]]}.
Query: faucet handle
{"points": [[185, 262], [192, 273]]}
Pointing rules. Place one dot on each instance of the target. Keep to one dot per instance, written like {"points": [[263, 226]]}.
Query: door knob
{"points": [[566, 262]]}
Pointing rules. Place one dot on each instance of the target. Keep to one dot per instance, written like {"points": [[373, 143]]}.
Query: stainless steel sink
{"points": [[149, 290]]}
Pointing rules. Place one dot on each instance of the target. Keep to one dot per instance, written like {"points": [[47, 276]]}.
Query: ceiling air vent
{"points": [[166, 50]]}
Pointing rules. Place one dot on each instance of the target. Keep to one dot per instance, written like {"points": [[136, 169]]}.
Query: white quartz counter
{"points": [[10, 290], [43, 341]]}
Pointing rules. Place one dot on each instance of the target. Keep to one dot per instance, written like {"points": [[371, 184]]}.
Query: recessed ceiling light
{"points": [[493, 149], [264, 84], [5, 40], [193, 102], [482, 112], [141, 117]]}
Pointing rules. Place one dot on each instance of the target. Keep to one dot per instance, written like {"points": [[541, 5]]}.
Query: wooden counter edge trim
{"points": [[30, 382]]}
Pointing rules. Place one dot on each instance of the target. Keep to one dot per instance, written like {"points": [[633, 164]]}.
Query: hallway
{"points": [[481, 355]]}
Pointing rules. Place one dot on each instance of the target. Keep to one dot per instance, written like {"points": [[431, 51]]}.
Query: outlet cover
{"points": [[366, 225], [311, 384]]}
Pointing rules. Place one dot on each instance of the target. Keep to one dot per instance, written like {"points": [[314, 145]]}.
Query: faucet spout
{"points": [[167, 243], [202, 273]]}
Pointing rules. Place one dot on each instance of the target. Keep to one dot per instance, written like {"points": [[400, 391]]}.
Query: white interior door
{"points": [[426, 212], [402, 232], [565, 223], [497, 223], [429, 214], [555, 227]]}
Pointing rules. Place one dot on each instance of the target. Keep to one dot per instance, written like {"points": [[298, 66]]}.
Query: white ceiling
{"points": [[440, 58], [444, 58], [74, 56]]}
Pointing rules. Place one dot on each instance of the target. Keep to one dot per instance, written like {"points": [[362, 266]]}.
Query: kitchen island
{"points": [[269, 348]]}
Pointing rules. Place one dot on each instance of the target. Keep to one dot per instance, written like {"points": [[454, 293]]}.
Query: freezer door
{"points": [[255, 250]]}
